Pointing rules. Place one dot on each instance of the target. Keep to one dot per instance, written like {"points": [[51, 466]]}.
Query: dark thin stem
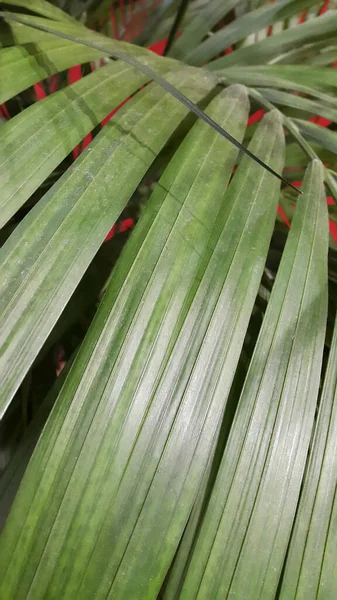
{"points": [[174, 29], [168, 87]]}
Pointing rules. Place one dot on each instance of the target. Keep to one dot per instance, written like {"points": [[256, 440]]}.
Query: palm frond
{"points": [[187, 448]]}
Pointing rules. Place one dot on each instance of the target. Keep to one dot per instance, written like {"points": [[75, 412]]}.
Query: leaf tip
{"points": [[239, 93]]}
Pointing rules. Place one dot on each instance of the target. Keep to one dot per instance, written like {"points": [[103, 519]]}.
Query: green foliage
{"points": [[187, 449]]}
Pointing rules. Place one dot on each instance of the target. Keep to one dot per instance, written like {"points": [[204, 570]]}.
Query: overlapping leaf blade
{"points": [[22, 33], [49, 251], [323, 58], [124, 461], [277, 44], [328, 111], [326, 138], [109, 471], [310, 570], [193, 434], [45, 9], [251, 22], [21, 66], [244, 536], [210, 15], [136, 283], [39, 138], [249, 76], [37, 54], [144, 68], [270, 75], [11, 477]]}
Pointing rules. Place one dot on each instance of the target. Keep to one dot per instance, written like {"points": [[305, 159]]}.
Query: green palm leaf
{"points": [[51, 129], [249, 23], [67, 223], [310, 567], [177, 455], [271, 47], [43, 8], [255, 496], [144, 363]]}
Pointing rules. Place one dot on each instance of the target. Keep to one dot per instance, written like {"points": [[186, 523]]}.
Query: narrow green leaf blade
{"points": [[322, 59], [294, 101], [47, 254], [275, 45], [309, 77], [38, 54], [310, 570], [11, 478], [175, 245], [35, 142], [241, 27], [45, 9], [193, 435], [21, 66], [251, 76], [175, 577], [244, 536], [160, 409], [144, 68], [32, 32], [194, 33], [323, 136]]}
